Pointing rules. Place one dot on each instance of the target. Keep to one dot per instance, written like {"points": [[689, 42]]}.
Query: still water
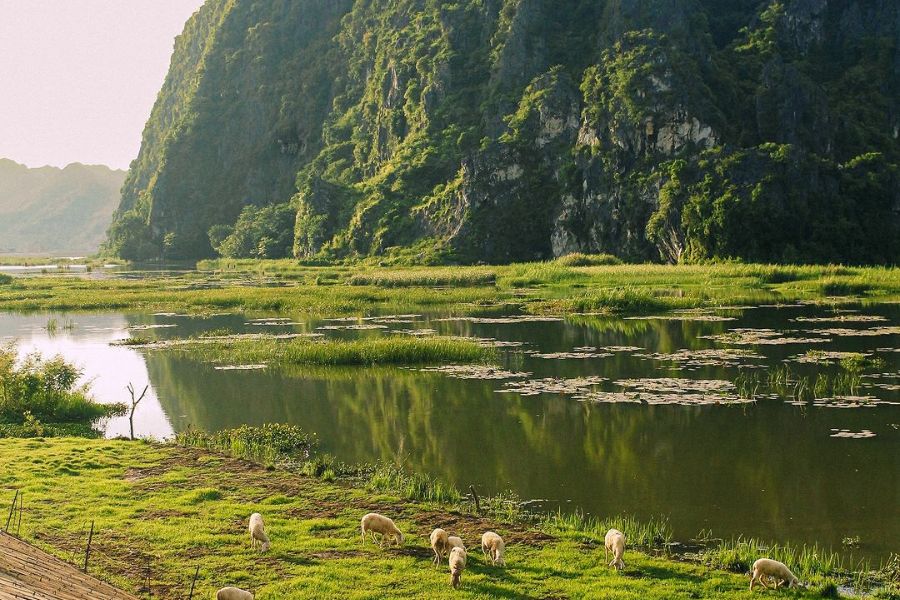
{"points": [[554, 426]]}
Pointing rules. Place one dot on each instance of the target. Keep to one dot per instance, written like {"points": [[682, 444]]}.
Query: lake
{"points": [[664, 416]]}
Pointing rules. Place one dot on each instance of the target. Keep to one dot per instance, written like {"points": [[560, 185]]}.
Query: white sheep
{"points": [[457, 565], [233, 593], [766, 567], [440, 543], [374, 523], [615, 543], [493, 545], [455, 542], [258, 535]]}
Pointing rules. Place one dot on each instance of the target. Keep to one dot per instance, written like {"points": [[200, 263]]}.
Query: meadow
{"points": [[160, 511]]}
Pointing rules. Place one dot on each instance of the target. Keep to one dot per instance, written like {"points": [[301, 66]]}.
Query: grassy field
{"points": [[546, 287], [170, 509]]}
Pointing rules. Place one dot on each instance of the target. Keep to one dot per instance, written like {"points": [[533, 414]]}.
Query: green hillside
{"points": [[502, 130]]}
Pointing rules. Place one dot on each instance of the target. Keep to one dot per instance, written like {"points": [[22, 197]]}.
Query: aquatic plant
{"points": [[646, 533], [806, 561], [390, 477]]}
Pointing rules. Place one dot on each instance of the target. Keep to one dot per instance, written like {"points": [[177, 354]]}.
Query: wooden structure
{"points": [[27, 573]]}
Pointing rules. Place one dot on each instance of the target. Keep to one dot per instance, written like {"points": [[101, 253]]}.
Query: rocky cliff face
{"points": [[500, 130]]}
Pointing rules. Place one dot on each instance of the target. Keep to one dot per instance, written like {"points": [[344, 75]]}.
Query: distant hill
{"points": [[52, 210]]}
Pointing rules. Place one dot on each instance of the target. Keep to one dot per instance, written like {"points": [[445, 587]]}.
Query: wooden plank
{"points": [[27, 573]]}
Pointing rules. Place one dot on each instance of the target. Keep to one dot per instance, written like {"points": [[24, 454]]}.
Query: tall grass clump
{"points": [[388, 477], [392, 350], [631, 300], [806, 561], [578, 259], [5, 279], [269, 444], [649, 533], [437, 276], [38, 390]]}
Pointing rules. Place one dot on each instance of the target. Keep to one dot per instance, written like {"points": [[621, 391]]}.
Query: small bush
{"points": [[39, 390], [5, 279]]}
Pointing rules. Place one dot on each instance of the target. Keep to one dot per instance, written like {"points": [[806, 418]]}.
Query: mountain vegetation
{"points": [[51, 210], [512, 130]]}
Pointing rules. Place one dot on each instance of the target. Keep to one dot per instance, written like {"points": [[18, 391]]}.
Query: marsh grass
{"points": [[268, 444], [302, 351], [388, 477], [807, 562], [286, 286], [651, 533], [578, 259]]}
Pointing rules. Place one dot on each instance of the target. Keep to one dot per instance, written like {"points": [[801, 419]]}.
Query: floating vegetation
{"points": [[570, 355], [619, 348], [849, 402], [841, 318], [153, 326], [670, 391], [709, 357], [494, 343], [677, 385], [356, 327], [475, 372], [853, 435], [274, 322], [552, 385], [825, 357], [505, 320], [673, 399], [210, 339], [761, 337], [873, 332], [416, 332], [239, 367], [702, 317]]}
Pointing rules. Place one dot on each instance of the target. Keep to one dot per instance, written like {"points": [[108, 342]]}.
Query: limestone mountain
{"points": [[56, 211], [501, 130]]}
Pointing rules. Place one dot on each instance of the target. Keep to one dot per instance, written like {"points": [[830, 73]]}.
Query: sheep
{"points": [[374, 523], [455, 542], [233, 593], [457, 564], [440, 543], [615, 543], [493, 545], [766, 567], [258, 535]]}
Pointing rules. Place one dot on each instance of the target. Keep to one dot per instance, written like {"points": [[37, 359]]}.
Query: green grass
{"points": [[304, 351], [179, 508], [286, 286]]}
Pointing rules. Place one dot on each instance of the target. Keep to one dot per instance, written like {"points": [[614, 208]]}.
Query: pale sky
{"points": [[78, 77]]}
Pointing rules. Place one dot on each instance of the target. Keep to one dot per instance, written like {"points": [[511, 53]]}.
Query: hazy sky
{"points": [[78, 77]]}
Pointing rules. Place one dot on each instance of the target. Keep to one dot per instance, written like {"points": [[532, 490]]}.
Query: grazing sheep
{"points": [[457, 565], [258, 535], [615, 543], [455, 542], [493, 545], [766, 567], [374, 523], [440, 543], [233, 593]]}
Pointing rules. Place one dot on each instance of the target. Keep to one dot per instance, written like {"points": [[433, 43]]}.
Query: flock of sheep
{"points": [[492, 546]]}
